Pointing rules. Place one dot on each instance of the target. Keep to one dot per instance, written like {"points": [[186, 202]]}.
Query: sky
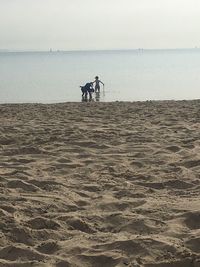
{"points": [[99, 24]]}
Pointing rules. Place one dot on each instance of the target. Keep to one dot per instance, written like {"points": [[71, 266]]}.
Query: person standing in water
{"points": [[97, 84]]}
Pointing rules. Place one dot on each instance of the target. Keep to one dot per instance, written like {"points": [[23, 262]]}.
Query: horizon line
{"points": [[91, 50]]}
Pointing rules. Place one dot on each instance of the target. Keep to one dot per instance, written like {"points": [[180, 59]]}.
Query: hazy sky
{"points": [[99, 24]]}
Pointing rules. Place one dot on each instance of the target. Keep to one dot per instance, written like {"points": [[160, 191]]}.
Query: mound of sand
{"points": [[100, 184]]}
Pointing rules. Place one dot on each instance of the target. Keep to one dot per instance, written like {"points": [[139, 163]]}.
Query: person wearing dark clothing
{"points": [[87, 89]]}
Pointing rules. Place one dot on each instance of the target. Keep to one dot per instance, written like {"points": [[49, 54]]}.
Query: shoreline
{"points": [[103, 102]]}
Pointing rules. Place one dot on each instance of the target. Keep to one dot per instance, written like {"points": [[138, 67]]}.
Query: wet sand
{"points": [[100, 184]]}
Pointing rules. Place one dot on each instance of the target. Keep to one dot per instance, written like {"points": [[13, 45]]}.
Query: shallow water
{"points": [[50, 77]]}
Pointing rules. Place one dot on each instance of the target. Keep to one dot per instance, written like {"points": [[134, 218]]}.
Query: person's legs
{"points": [[82, 89], [97, 89], [90, 94]]}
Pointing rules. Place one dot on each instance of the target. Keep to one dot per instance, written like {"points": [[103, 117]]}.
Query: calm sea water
{"points": [[50, 77]]}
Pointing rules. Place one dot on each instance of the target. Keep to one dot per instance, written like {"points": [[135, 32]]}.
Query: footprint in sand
{"points": [[48, 247], [130, 247], [192, 220], [42, 223], [21, 235], [176, 263], [99, 260], [13, 253], [22, 185], [191, 163], [80, 225], [178, 184], [63, 263], [173, 148], [193, 244]]}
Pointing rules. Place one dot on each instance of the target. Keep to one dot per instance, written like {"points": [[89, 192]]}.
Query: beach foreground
{"points": [[100, 184]]}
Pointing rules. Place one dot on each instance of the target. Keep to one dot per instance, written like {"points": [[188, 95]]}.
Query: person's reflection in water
{"points": [[97, 96], [86, 99]]}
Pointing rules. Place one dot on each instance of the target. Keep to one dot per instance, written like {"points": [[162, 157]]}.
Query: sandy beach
{"points": [[100, 184]]}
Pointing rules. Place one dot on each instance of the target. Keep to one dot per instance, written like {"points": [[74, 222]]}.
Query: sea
{"points": [[128, 75]]}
